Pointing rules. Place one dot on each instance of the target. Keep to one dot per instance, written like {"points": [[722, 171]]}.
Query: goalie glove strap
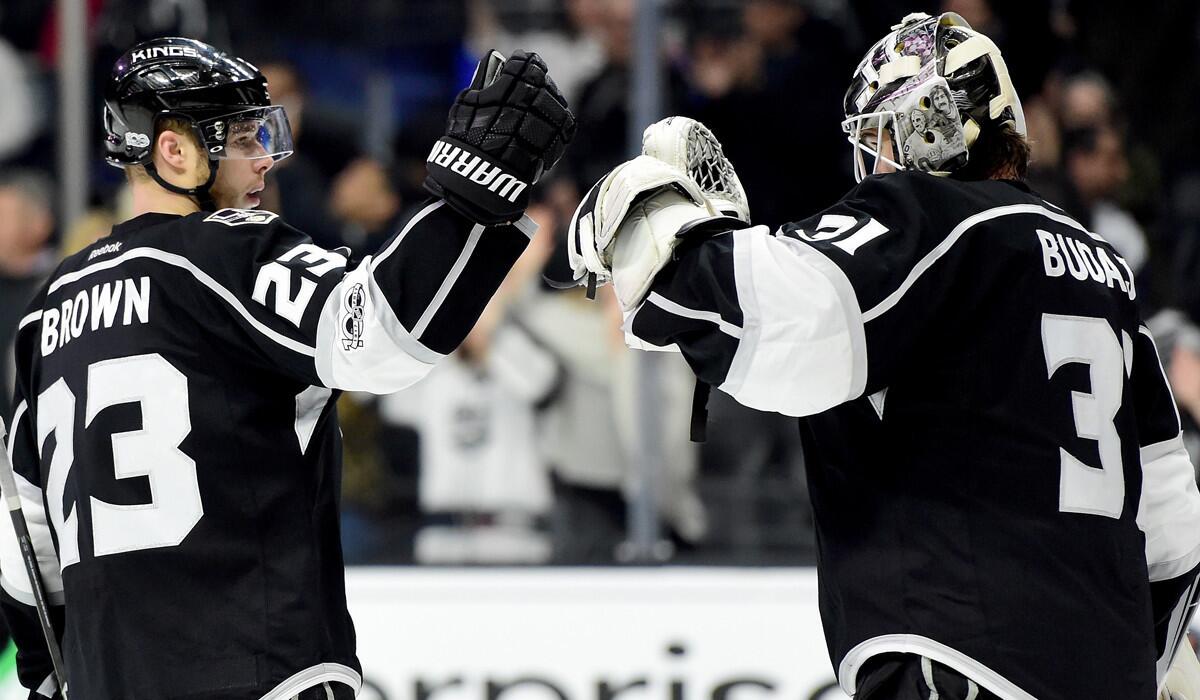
{"points": [[475, 184], [701, 229]]}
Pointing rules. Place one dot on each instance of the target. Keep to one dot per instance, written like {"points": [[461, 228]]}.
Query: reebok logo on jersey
{"points": [[1063, 254], [104, 250], [162, 51], [98, 304], [477, 170]]}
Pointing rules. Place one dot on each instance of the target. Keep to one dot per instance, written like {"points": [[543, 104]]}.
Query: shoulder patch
{"points": [[240, 217]]}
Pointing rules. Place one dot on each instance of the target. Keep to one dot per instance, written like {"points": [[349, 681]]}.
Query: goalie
{"points": [[1004, 505]]}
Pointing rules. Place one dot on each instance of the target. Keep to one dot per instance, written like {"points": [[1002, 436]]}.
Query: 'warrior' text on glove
{"points": [[507, 128]]}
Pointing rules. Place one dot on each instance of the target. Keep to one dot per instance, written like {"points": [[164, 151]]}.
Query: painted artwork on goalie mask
{"points": [[918, 40], [880, 56], [944, 117], [932, 136]]}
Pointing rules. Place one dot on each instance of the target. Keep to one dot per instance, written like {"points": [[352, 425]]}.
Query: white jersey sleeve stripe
{"points": [[315, 676], [944, 247], [527, 226], [679, 310], [447, 284], [929, 648], [34, 317], [385, 253], [48, 687]]}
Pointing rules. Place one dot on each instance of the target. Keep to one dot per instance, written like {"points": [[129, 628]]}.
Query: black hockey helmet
{"points": [[224, 98]]}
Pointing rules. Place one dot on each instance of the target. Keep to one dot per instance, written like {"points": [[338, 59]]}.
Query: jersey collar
{"points": [[143, 221]]}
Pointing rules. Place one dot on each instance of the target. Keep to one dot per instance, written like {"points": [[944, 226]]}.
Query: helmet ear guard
{"points": [[201, 193], [1004, 96]]}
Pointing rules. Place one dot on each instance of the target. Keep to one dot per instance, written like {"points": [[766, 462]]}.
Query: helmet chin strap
{"points": [[202, 193]]}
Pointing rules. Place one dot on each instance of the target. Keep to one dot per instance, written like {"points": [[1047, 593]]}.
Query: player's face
{"points": [[240, 181], [881, 141], [941, 102]]}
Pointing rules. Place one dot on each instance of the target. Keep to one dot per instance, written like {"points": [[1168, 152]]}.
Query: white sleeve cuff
{"points": [[803, 348]]}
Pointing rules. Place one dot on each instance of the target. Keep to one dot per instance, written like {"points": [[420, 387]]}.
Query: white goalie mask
{"points": [[932, 83]]}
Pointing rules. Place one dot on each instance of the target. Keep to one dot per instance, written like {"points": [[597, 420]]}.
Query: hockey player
{"points": [[174, 432], [1004, 506]]}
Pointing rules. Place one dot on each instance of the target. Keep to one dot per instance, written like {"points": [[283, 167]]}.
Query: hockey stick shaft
{"points": [[8, 484]]}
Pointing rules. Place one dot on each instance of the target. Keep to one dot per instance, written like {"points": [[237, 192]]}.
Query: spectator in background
{"points": [[1089, 176], [484, 489], [26, 226], [773, 93], [753, 488], [297, 189], [771, 68], [588, 440], [1183, 372], [1087, 100], [681, 513], [366, 203], [18, 116], [1095, 169], [581, 445], [573, 45], [603, 106]]}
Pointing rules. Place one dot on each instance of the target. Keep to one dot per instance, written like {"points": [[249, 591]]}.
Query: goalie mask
{"points": [[933, 83]]}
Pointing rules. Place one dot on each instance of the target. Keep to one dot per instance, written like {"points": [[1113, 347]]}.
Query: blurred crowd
{"points": [[523, 448]]}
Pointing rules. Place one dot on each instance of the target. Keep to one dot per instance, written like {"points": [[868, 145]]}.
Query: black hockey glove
{"points": [[507, 128]]}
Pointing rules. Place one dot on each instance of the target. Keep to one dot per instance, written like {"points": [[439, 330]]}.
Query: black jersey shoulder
{"points": [[937, 202], [224, 243], [175, 233]]}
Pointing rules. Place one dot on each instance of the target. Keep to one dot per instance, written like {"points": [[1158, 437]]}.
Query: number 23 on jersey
{"points": [[161, 392]]}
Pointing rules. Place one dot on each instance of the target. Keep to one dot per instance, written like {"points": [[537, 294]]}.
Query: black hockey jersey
{"points": [[174, 434], [993, 453]]}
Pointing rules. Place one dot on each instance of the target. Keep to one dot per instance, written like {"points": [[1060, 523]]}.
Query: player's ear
{"points": [[172, 149]]}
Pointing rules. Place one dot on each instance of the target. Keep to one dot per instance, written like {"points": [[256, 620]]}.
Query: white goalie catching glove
{"points": [[627, 227], [1183, 678]]}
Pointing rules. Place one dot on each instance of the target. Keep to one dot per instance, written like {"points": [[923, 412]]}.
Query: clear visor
{"points": [[864, 132], [258, 132]]}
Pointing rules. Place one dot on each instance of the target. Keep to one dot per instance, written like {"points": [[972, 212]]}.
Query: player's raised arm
{"points": [[381, 323], [423, 291], [773, 318]]}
